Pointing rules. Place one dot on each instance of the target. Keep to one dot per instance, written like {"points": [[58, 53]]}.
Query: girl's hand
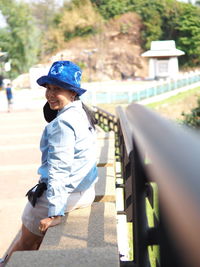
{"points": [[49, 222]]}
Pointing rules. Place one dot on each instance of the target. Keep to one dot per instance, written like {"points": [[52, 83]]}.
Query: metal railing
{"points": [[108, 122], [111, 92], [155, 151], [105, 120]]}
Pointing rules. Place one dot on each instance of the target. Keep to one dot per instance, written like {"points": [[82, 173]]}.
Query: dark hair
{"points": [[50, 114], [90, 113]]}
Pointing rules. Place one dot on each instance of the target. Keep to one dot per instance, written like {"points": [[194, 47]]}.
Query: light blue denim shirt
{"points": [[68, 147]]}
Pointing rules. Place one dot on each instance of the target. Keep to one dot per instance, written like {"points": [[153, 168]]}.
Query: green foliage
{"points": [[150, 11], [78, 31], [19, 38], [45, 12], [110, 8], [181, 22], [84, 19], [47, 16], [192, 119], [37, 29], [162, 20], [188, 34], [170, 19]]}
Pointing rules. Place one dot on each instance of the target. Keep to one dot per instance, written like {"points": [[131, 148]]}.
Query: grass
{"points": [[152, 250], [176, 98], [171, 107], [174, 106]]}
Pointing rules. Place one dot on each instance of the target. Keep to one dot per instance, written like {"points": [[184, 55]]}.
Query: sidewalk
{"points": [[20, 133]]}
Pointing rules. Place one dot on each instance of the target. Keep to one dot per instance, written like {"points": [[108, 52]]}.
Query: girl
{"points": [[68, 170]]}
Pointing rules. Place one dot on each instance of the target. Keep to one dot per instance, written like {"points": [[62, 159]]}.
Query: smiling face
{"points": [[58, 97]]}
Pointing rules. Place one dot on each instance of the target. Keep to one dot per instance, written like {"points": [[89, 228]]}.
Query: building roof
{"points": [[163, 49]]}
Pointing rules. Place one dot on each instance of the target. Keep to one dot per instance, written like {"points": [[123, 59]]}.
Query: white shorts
{"points": [[32, 215]]}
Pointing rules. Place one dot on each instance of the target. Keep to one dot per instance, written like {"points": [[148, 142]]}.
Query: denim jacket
{"points": [[68, 147]]}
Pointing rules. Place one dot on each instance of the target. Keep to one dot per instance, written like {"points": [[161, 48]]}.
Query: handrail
{"points": [[173, 152], [125, 130], [153, 149]]}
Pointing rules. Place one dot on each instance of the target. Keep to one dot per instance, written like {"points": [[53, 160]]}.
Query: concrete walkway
{"points": [[20, 133]]}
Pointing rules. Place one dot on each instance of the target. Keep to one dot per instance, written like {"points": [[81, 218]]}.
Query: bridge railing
{"points": [[105, 120], [157, 153]]}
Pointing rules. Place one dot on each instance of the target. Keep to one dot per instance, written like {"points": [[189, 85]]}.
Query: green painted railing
{"points": [[132, 94]]}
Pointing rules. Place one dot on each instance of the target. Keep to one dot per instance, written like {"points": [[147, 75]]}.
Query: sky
{"points": [[59, 2], [2, 21], [186, 1]]}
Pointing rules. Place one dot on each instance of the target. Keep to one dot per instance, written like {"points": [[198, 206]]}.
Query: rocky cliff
{"points": [[112, 54]]}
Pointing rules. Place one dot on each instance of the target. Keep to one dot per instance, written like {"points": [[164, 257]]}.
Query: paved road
{"points": [[20, 133]]}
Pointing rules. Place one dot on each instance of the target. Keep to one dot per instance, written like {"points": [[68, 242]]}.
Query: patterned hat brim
{"points": [[42, 81]]}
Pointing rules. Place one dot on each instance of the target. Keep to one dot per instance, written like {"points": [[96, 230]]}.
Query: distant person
{"points": [[1, 82], [68, 170], [9, 96]]}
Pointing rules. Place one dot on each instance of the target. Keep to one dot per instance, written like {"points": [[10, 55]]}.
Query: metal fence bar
{"points": [[105, 120]]}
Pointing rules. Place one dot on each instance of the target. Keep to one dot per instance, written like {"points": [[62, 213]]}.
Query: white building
{"points": [[163, 59]]}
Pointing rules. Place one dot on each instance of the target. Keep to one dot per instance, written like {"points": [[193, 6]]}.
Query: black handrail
{"points": [[169, 155], [153, 150]]}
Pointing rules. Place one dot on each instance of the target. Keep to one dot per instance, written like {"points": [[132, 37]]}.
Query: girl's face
{"points": [[58, 97]]}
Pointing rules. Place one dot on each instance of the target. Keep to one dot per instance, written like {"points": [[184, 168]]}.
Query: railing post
{"points": [[140, 225]]}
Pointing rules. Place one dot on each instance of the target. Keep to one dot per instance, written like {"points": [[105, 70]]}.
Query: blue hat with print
{"points": [[65, 74]]}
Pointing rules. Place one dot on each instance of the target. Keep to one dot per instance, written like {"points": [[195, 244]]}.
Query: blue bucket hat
{"points": [[65, 74]]}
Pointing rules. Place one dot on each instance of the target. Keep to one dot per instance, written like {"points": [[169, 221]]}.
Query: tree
{"points": [[44, 12], [110, 8], [150, 12], [170, 19], [20, 38], [188, 34], [79, 18]]}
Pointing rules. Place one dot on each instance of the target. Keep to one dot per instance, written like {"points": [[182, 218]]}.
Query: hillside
{"points": [[173, 107], [114, 53]]}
